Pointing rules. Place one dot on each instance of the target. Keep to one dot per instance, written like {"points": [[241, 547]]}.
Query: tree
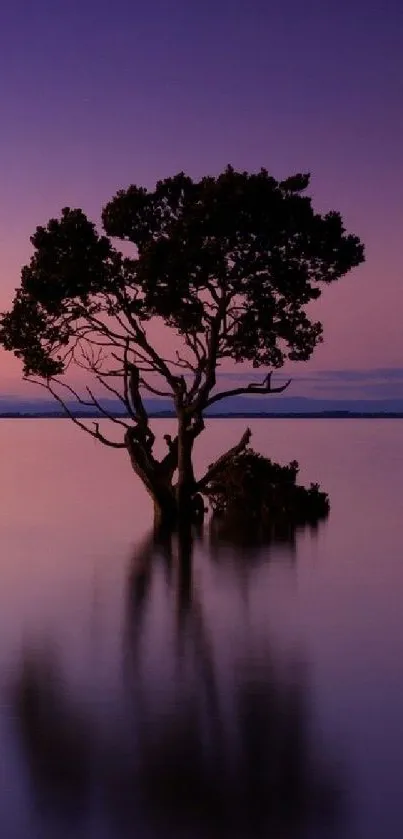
{"points": [[227, 264]]}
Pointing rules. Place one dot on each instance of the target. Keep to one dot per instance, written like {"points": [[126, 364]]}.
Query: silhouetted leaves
{"points": [[244, 251], [253, 495], [242, 236], [228, 263]]}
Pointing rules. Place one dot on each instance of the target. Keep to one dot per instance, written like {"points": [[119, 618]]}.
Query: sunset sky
{"points": [[99, 94]]}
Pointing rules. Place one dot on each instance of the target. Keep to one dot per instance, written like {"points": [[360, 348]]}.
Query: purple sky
{"points": [[97, 95]]}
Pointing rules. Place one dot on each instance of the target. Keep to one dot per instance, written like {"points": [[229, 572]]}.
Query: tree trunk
{"points": [[186, 485], [165, 509], [174, 506], [157, 481]]}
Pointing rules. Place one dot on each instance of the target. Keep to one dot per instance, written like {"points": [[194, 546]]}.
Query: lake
{"points": [[254, 691]]}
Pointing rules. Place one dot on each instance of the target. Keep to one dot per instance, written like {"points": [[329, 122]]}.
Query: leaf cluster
{"points": [[228, 262], [254, 489]]}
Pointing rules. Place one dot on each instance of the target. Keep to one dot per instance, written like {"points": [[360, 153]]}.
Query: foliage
{"points": [[253, 490], [228, 264]]}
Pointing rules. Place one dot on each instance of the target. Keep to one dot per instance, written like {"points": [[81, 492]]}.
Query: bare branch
{"points": [[140, 339], [197, 426], [210, 366], [126, 393], [106, 413], [93, 432], [107, 386], [103, 328], [154, 390], [145, 367], [184, 363], [170, 462], [98, 436], [74, 393], [195, 343], [132, 388], [216, 467], [264, 387], [133, 384]]}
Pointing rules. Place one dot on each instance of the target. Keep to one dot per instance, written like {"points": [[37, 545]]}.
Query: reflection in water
{"points": [[197, 749], [247, 542], [56, 737]]}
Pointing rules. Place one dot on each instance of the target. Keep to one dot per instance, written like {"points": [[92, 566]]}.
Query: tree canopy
{"points": [[228, 263]]}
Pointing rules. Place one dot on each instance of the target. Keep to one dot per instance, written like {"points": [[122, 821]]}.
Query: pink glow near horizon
{"points": [[115, 98]]}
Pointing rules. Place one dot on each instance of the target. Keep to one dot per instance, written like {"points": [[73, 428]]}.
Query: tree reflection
{"points": [[198, 755], [244, 543], [56, 736]]}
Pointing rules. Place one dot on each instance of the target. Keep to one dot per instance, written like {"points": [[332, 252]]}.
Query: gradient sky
{"points": [[98, 94]]}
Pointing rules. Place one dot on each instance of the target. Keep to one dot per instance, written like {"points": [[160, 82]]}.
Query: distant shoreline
{"points": [[260, 415]]}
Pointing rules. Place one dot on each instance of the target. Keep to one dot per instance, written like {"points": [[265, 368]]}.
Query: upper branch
{"points": [[151, 389], [210, 363], [140, 339]]}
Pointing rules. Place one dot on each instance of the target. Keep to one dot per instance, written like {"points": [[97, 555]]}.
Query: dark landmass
{"points": [[236, 415], [296, 415], [13, 406]]}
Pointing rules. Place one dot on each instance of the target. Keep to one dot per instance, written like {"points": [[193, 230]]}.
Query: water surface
{"points": [[250, 689]]}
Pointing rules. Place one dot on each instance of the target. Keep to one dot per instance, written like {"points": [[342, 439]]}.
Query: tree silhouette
{"points": [[227, 264]]}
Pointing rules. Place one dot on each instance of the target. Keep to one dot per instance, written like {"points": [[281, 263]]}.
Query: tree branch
{"points": [[94, 403], [211, 359], [107, 386], [132, 388], [216, 467], [140, 338], [104, 412], [93, 432], [169, 463], [264, 387], [154, 390]]}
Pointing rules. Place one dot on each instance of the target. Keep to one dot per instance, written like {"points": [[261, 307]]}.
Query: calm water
{"points": [[256, 688]]}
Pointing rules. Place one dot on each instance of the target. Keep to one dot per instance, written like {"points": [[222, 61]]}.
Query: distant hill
{"points": [[240, 406]]}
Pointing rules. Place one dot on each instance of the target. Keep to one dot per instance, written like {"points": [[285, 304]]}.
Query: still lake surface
{"points": [[259, 692]]}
